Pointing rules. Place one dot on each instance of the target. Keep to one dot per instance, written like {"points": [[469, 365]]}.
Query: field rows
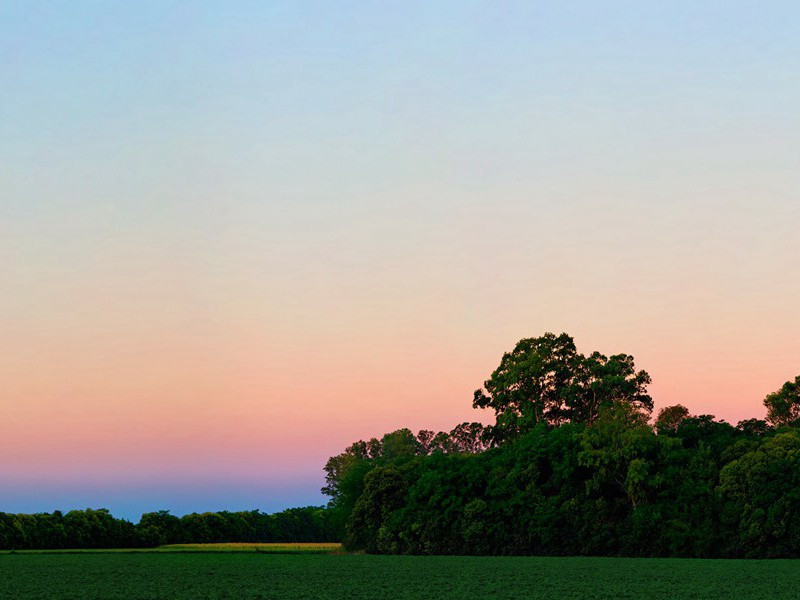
{"points": [[232, 574]]}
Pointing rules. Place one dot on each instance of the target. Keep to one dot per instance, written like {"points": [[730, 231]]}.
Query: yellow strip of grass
{"points": [[293, 548]]}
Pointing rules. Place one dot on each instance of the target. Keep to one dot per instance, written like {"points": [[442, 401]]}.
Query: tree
{"points": [[604, 382], [530, 385], [424, 439], [159, 528], [546, 380], [761, 498], [783, 406], [670, 417], [384, 492], [344, 478], [399, 443], [754, 427], [337, 467], [468, 437], [617, 449]]}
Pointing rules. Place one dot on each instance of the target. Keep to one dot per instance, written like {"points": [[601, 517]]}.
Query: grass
{"points": [[238, 574], [297, 548]]}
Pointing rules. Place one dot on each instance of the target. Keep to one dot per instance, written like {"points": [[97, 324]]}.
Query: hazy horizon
{"points": [[236, 239]]}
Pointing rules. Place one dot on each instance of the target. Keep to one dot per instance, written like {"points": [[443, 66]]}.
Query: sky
{"points": [[237, 236]]}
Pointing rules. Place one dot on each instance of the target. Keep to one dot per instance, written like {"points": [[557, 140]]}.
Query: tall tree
{"points": [[603, 382], [783, 406], [670, 417], [530, 385], [546, 380]]}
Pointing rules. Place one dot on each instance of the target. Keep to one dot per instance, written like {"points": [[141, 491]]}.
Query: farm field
{"points": [[242, 574]]}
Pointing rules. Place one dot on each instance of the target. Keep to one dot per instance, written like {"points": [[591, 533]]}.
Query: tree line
{"points": [[99, 529], [573, 465]]}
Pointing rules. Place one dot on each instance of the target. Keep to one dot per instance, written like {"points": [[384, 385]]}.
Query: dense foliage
{"points": [[572, 466], [99, 529]]}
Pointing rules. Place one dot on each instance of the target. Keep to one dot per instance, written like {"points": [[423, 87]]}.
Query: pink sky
{"points": [[233, 241]]}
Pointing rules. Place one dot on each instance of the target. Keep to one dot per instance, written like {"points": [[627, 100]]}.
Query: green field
{"points": [[243, 574]]}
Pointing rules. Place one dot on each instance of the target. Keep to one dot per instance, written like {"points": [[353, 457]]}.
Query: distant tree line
{"points": [[573, 466], [99, 529]]}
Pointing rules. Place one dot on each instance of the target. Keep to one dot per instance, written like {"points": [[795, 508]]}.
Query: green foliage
{"points": [[546, 380], [761, 490], [670, 417], [98, 529], [384, 492], [572, 467], [610, 488], [345, 472], [75, 529], [159, 528], [399, 444], [783, 406]]}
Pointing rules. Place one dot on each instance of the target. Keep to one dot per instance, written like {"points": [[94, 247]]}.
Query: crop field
{"points": [[250, 574]]}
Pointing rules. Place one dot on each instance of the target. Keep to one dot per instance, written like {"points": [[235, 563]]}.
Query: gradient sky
{"points": [[237, 236]]}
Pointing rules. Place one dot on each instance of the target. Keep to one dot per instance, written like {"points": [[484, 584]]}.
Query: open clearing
{"points": [[242, 574]]}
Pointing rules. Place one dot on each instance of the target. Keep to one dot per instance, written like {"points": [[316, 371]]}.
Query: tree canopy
{"points": [[546, 380], [783, 406], [99, 529], [572, 465]]}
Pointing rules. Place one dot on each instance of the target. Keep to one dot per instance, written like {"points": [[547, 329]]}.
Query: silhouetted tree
{"points": [[670, 417], [573, 467], [546, 380], [783, 406]]}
